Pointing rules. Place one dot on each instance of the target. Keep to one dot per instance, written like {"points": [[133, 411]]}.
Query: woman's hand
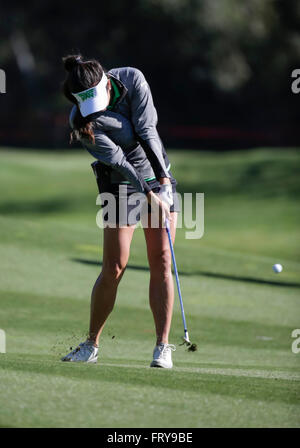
{"points": [[159, 206], [166, 194]]}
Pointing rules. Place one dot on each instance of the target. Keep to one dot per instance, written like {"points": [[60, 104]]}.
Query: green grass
{"points": [[239, 312]]}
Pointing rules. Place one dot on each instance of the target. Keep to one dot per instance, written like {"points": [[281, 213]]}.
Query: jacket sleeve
{"points": [[112, 155], [144, 119]]}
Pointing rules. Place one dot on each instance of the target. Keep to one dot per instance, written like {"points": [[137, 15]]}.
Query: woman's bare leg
{"points": [[161, 288], [116, 248]]}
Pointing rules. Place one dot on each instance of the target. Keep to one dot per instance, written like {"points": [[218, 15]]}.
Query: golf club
{"points": [[186, 334]]}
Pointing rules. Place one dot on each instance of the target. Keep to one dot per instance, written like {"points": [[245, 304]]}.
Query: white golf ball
{"points": [[277, 268]]}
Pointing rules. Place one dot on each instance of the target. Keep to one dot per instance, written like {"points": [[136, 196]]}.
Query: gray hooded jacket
{"points": [[126, 138]]}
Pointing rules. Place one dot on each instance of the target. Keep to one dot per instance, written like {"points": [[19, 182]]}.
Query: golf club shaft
{"points": [[177, 280]]}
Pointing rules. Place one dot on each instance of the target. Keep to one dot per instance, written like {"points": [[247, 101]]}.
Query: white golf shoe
{"points": [[85, 352], [162, 356]]}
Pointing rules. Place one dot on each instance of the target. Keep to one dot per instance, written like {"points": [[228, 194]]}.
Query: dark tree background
{"points": [[220, 70]]}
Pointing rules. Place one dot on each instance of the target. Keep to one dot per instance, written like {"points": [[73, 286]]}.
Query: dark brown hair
{"points": [[81, 75]]}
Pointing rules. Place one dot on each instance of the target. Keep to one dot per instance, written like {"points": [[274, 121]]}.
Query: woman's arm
{"points": [[144, 119], [112, 155]]}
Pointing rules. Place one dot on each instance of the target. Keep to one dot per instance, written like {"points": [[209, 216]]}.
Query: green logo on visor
{"points": [[91, 93]]}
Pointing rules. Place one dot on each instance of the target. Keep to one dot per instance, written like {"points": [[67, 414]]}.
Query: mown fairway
{"points": [[239, 312]]}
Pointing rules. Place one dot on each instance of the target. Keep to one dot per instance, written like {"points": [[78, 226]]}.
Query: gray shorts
{"points": [[125, 205]]}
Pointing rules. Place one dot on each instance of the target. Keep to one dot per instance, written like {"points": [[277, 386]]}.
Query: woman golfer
{"points": [[114, 118]]}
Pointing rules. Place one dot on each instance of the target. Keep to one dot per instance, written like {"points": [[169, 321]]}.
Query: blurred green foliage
{"points": [[208, 61]]}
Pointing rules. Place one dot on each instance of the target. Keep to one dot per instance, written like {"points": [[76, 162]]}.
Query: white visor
{"points": [[93, 99]]}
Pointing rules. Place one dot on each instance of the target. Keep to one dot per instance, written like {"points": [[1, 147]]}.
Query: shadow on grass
{"points": [[206, 274], [257, 178], [36, 207], [47, 205]]}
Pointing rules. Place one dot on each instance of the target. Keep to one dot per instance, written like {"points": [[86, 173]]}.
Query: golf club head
{"points": [[186, 338]]}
